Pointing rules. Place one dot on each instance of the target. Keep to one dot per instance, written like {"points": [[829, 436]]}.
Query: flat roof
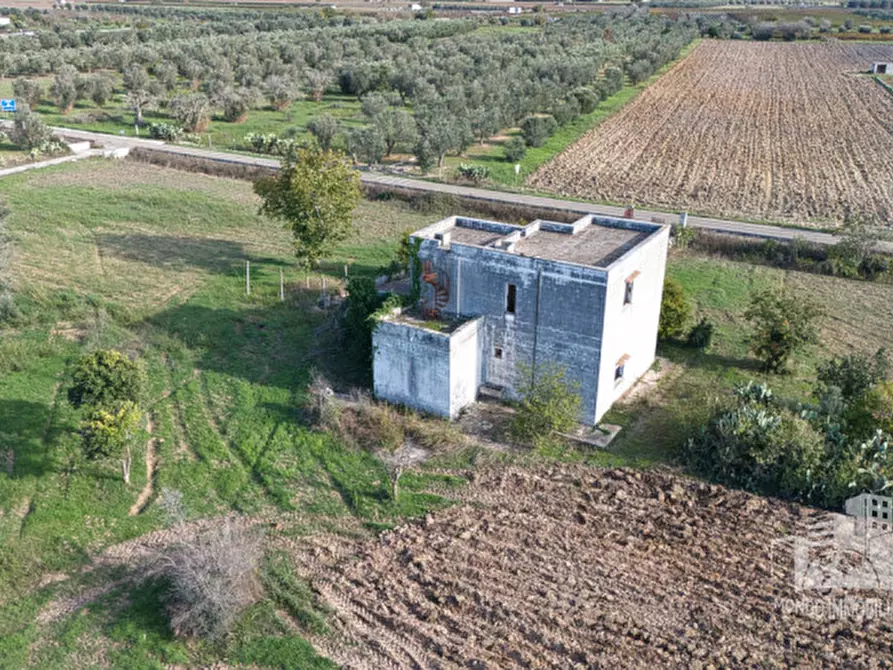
{"points": [[593, 245], [595, 241]]}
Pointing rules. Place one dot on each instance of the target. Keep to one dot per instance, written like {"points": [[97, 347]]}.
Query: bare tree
{"points": [[397, 461], [213, 578]]}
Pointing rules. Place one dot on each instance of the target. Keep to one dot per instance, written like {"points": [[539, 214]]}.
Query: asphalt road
{"points": [[764, 231]]}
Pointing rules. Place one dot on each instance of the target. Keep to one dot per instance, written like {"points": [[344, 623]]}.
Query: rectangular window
{"points": [[497, 353], [620, 368], [628, 288], [511, 298]]}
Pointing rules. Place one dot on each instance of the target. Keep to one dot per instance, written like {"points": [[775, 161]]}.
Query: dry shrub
{"points": [[371, 425], [433, 434], [212, 578]]}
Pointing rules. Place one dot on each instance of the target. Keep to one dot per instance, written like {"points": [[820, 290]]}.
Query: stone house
{"points": [[498, 297]]}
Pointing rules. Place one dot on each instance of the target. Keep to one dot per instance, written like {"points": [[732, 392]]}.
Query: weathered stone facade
{"points": [[584, 295]]}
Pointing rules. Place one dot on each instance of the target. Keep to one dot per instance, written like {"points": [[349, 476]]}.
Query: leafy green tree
{"points": [[363, 299], [537, 129], [100, 89], [855, 374], [64, 88], [27, 91], [324, 128], [192, 111], [782, 325], [549, 402], [515, 148], [140, 93], [366, 145], [107, 432], [106, 378], [315, 193], [28, 129], [280, 91], [675, 310]]}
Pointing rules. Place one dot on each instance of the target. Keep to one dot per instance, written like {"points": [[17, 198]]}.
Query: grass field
{"points": [[151, 261], [858, 318]]}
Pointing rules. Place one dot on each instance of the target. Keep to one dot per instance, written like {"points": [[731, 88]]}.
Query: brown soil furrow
{"points": [[788, 132]]}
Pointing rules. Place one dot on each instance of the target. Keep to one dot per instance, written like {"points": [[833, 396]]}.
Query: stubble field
{"points": [[784, 132]]}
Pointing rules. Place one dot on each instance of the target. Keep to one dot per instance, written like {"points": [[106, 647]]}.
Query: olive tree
{"points": [[324, 128]]}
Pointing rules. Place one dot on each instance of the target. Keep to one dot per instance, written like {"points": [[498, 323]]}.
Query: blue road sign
{"points": [[7, 105]]}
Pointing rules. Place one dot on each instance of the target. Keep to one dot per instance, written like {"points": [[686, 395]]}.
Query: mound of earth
{"points": [[574, 567]]}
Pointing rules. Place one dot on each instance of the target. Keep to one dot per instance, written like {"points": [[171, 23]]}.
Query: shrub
{"points": [[701, 334], [165, 131], [675, 310], [854, 374], [537, 129], [106, 378], [29, 131], [865, 29], [362, 302], [475, 173], [108, 431], [515, 148], [549, 402], [782, 325], [588, 98], [758, 446], [211, 579], [324, 128]]}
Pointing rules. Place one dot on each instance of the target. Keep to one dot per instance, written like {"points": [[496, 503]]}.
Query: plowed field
{"points": [[574, 567], [784, 132]]}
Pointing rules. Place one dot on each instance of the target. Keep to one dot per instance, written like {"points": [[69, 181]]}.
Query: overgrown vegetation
{"points": [[549, 403]]}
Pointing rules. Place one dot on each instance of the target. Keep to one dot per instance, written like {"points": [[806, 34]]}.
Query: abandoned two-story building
{"points": [[498, 298]]}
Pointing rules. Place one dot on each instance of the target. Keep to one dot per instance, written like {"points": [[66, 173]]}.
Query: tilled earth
{"points": [[574, 567]]}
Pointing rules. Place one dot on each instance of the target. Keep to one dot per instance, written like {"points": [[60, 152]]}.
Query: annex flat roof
{"points": [[594, 241]]}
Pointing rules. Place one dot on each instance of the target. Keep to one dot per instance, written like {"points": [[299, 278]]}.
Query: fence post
{"points": [[247, 277], [281, 287]]}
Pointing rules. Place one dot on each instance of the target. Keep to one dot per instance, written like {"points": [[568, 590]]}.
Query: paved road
{"points": [[706, 223]]}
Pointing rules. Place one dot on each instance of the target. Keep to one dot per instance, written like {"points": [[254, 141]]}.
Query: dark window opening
{"points": [[618, 372], [511, 298], [628, 294], [497, 353]]}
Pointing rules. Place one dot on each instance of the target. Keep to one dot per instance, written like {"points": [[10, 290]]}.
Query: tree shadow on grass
{"points": [[26, 430], [178, 252], [273, 345]]}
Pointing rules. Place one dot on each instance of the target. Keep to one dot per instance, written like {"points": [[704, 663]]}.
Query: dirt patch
{"points": [[578, 567], [68, 331], [148, 489]]}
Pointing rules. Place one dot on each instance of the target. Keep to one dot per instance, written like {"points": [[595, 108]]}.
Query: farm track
{"points": [[786, 132]]}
